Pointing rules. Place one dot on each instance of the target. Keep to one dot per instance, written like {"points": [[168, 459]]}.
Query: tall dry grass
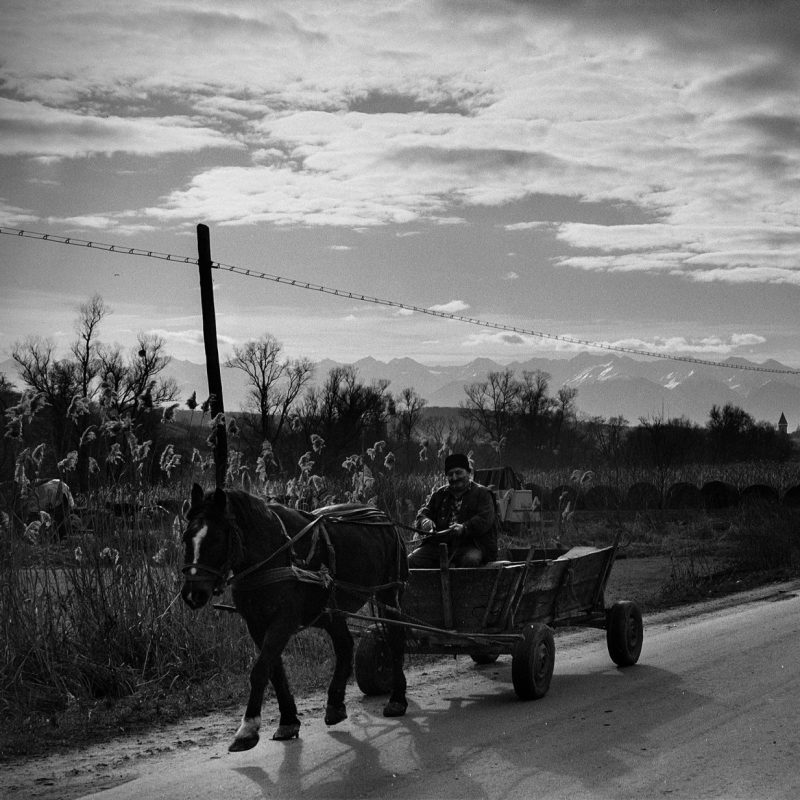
{"points": [[92, 627]]}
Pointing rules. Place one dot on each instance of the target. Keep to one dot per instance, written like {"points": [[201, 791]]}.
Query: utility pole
{"points": [[216, 404]]}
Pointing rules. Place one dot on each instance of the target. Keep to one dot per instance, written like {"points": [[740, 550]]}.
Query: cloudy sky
{"points": [[620, 172]]}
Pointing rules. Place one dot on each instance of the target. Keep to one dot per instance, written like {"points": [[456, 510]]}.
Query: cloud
{"points": [[675, 114], [13, 216], [502, 338], [115, 223], [682, 345], [511, 276], [526, 226], [742, 275], [453, 307], [31, 128], [754, 252], [193, 336]]}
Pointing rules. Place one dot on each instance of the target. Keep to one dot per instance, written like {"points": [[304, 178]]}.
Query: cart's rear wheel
{"points": [[533, 661], [484, 658], [373, 662], [624, 632]]}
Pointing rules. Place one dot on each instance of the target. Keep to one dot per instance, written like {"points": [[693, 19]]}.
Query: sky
{"points": [[625, 173]]}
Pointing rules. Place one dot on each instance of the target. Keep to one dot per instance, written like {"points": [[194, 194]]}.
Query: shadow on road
{"points": [[591, 729]]}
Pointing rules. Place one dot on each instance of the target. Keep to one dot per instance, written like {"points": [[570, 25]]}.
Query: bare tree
{"points": [[57, 380], [436, 429], [136, 379], [85, 347], [408, 414], [344, 409], [493, 404], [609, 439], [534, 405], [275, 383], [563, 411]]}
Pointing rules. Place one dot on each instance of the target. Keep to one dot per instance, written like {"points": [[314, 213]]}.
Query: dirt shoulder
{"points": [[76, 771]]}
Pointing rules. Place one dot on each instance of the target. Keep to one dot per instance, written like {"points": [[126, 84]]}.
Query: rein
{"points": [[256, 576], [250, 579], [240, 580]]}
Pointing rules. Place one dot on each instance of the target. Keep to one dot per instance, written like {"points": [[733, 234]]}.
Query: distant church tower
{"points": [[783, 425]]}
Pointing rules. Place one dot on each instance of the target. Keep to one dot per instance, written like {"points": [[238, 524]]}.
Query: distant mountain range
{"points": [[608, 385]]}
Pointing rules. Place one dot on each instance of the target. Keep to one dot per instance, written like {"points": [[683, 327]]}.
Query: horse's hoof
{"points": [[394, 708], [335, 714], [286, 732], [244, 743]]}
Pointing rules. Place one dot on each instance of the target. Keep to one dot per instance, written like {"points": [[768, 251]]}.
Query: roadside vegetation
{"points": [[95, 640]]}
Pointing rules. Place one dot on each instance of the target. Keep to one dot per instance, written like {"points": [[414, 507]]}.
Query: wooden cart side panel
{"points": [[584, 582], [570, 586], [479, 596], [539, 593]]}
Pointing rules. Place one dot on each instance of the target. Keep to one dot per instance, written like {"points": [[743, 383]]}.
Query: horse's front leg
{"points": [[268, 665], [342, 639]]}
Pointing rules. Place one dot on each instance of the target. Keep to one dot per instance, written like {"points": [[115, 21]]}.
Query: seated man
{"points": [[466, 510]]}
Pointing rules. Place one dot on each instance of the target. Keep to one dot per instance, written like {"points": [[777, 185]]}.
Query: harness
{"points": [[258, 576]]}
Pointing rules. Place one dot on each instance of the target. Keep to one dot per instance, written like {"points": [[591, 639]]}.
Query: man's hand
{"points": [[457, 529], [427, 525]]}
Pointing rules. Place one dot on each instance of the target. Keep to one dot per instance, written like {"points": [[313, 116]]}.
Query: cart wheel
{"points": [[624, 632], [373, 662], [484, 658], [533, 661]]}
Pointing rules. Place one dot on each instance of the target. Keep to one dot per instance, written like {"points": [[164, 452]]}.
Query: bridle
{"points": [[256, 577], [202, 572], [222, 576]]}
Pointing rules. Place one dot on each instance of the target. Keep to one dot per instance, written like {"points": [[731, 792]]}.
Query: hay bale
{"points": [[601, 498], [566, 493], [683, 495], [791, 497], [718, 495], [543, 493], [759, 494], [642, 496]]}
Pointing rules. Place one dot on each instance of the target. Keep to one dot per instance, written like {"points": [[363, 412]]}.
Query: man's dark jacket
{"points": [[477, 514]]}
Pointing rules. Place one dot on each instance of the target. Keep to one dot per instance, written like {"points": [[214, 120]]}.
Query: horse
{"points": [[290, 569]]}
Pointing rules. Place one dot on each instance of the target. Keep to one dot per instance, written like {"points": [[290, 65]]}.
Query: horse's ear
{"points": [[219, 499], [197, 495]]}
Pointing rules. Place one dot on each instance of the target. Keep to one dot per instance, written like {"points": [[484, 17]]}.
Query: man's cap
{"points": [[456, 461]]}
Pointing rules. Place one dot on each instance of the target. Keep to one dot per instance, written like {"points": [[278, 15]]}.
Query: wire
{"points": [[350, 295]]}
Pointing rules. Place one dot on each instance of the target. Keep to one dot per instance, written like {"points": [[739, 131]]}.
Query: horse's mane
{"points": [[252, 512], [249, 510]]}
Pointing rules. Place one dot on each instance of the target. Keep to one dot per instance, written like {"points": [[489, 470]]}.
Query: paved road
{"points": [[711, 711]]}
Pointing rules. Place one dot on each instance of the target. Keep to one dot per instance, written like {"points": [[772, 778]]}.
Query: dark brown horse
{"points": [[288, 570]]}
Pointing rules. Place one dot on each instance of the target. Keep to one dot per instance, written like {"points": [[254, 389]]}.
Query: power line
{"points": [[350, 295]]}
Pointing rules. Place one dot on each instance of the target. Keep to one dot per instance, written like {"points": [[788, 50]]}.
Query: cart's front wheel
{"points": [[373, 662], [624, 632], [532, 662]]}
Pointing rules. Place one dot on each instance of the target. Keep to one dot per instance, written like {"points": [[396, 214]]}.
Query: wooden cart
{"points": [[506, 608]]}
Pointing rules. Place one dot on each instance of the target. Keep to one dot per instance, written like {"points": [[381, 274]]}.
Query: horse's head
{"points": [[210, 543]]}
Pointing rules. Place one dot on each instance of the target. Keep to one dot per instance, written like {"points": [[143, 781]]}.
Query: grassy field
{"points": [[97, 641]]}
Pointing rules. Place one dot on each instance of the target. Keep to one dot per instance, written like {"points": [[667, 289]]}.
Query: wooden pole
{"points": [[216, 404]]}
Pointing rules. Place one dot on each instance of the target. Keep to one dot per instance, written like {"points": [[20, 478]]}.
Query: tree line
{"points": [[105, 406]]}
